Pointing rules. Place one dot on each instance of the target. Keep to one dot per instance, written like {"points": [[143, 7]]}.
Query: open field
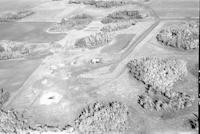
{"points": [[92, 88]]}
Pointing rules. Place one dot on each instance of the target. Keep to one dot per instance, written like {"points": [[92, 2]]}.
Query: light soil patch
{"points": [[50, 98]]}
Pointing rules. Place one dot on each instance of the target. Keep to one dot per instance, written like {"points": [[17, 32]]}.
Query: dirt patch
{"points": [[183, 35], [100, 117], [168, 100], [76, 22], [94, 41], [157, 72]]}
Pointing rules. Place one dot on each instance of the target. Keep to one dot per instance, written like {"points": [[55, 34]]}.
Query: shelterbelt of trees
{"points": [[13, 16]]}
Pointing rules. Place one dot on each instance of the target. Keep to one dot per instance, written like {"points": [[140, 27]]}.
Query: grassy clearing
{"points": [[122, 41]]}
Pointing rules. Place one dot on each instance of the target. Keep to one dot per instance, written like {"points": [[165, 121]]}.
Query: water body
{"points": [[34, 32]]}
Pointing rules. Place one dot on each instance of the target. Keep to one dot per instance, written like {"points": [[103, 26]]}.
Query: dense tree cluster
{"points": [[165, 100], [12, 16], [157, 72], [120, 16], [183, 35], [75, 22], [94, 41], [101, 3], [101, 118], [117, 26], [12, 49]]}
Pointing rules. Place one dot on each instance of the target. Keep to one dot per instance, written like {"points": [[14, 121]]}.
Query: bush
{"points": [[184, 36], [75, 22], [4, 96], [94, 41], [156, 100], [157, 72], [119, 16], [100, 117], [193, 122], [101, 3], [117, 26]]}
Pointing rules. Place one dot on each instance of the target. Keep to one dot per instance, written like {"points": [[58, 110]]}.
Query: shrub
{"points": [[75, 22], [117, 26], [157, 72], [119, 16], [184, 36], [193, 122], [102, 118], [4, 96], [94, 41], [101, 3], [12, 49]]}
